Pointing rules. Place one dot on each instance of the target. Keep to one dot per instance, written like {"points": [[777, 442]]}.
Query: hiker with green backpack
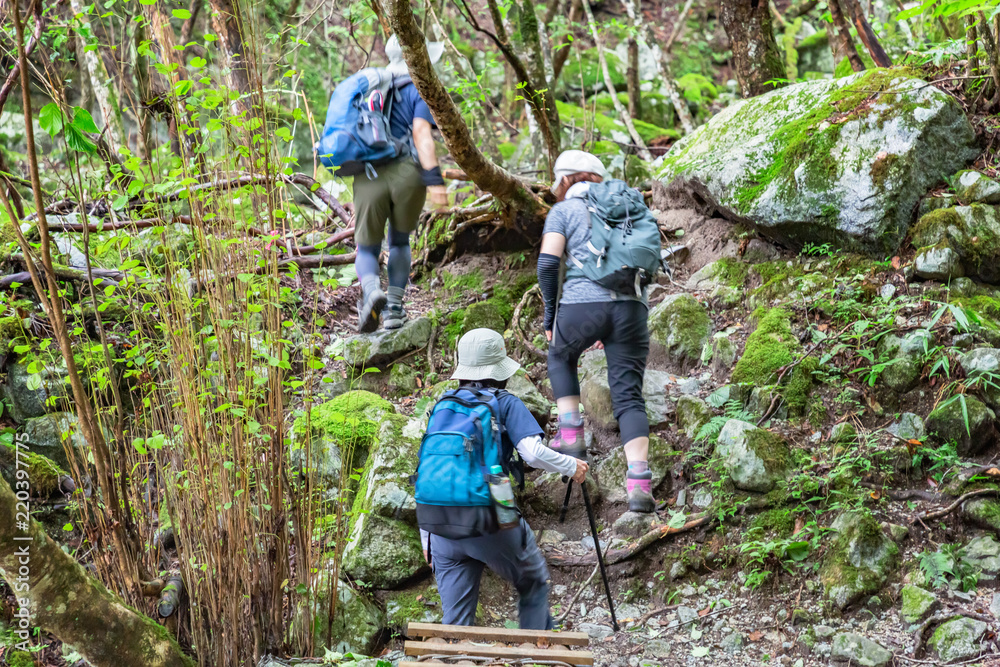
{"points": [[478, 436], [611, 245]]}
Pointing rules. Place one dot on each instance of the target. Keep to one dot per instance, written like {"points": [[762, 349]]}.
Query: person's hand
{"points": [[426, 557], [599, 345], [548, 335], [581, 471], [439, 196]]}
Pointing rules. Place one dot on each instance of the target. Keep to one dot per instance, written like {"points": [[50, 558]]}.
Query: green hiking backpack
{"points": [[624, 240]]}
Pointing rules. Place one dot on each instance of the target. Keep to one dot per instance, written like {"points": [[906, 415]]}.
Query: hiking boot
{"points": [[640, 492], [372, 303], [569, 440], [393, 317]]}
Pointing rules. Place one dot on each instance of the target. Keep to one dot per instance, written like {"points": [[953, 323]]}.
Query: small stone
{"points": [[633, 524], [588, 543], [677, 570], [549, 536], [596, 631], [843, 433], [687, 615], [995, 605], [802, 617], [858, 650], [898, 533], [909, 427], [823, 631], [974, 187], [688, 591], [692, 414], [938, 263], [732, 643], [702, 498], [916, 604], [958, 639]]}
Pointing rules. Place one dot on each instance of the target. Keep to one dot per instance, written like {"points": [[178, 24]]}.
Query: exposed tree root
{"points": [[516, 322], [937, 514], [620, 555]]}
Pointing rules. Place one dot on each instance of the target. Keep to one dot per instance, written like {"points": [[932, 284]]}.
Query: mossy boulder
{"points": [[679, 326], [916, 603], [521, 386], [859, 561], [983, 554], [402, 381], [595, 393], [52, 434], [383, 548], [343, 428], [974, 187], [976, 434], [421, 604], [909, 427], [843, 161], [44, 473], [383, 347], [860, 651], [32, 394], [753, 458], [957, 639], [939, 263], [981, 364], [972, 232], [357, 621], [983, 512], [692, 414], [771, 346], [610, 472]]}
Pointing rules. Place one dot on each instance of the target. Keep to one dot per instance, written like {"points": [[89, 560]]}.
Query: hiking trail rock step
{"points": [[381, 348]]}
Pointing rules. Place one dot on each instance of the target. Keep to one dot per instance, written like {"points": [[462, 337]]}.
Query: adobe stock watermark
{"points": [[20, 580]]}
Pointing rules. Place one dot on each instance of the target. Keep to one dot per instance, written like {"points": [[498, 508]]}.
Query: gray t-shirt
{"points": [[571, 219]]}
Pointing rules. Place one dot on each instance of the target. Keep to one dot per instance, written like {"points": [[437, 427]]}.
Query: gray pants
{"points": [[512, 554]]}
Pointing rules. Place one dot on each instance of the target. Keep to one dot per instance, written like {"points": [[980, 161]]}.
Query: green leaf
{"points": [[677, 520], [50, 118], [140, 445], [699, 651], [83, 121], [181, 14], [78, 142], [68, 527], [197, 63]]}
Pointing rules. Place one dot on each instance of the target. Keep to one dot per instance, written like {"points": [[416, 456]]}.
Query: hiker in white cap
{"points": [[397, 194], [508, 549], [580, 313]]}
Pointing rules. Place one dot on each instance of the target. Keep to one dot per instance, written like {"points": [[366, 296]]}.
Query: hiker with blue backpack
{"points": [[611, 246], [378, 129], [477, 437]]}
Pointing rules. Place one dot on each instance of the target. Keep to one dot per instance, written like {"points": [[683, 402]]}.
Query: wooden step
{"points": [[476, 633], [413, 648]]}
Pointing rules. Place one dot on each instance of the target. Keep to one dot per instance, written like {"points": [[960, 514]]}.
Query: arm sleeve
{"points": [[537, 455], [548, 282]]}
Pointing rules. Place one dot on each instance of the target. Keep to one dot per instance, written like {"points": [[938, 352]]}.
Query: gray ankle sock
{"points": [[370, 284], [395, 296]]}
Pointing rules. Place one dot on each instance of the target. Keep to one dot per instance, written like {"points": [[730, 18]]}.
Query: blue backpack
{"points": [[356, 135], [463, 441]]}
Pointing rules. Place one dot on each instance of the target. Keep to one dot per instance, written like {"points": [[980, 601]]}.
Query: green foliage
{"points": [[732, 409], [770, 347], [947, 567]]}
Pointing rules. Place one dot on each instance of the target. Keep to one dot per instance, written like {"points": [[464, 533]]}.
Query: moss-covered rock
{"points": [[52, 434], [859, 561], [972, 232], [344, 428], [413, 605], [383, 347], [32, 394], [610, 472], [383, 553], [938, 263], [916, 603], [973, 187], [521, 386], [843, 161], [595, 393], [983, 512], [957, 639], [44, 473], [402, 381], [858, 650], [356, 625], [976, 433], [771, 346], [680, 327], [753, 458], [692, 414]]}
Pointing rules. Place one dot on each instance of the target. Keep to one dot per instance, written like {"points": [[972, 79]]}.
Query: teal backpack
{"points": [[463, 441], [624, 240]]}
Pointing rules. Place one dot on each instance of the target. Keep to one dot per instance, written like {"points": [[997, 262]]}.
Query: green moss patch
{"points": [[351, 418], [771, 346]]}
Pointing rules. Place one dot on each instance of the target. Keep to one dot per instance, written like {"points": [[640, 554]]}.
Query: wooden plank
{"points": [[477, 633], [412, 648]]}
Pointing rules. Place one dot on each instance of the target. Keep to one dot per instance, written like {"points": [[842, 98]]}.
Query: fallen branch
{"points": [[620, 555], [195, 285], [106, 276], [906, 494], [937, 514], [569, 605]]}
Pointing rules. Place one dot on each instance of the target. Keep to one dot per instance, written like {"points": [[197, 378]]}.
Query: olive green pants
{"points": [[397, 194]]}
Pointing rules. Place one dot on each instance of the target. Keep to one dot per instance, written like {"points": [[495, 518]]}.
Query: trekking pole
{"points": [[565, 507], [600, 556]]}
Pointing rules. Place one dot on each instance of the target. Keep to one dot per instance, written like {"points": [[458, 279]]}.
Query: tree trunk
{"points": [[757, 61], [488, 176], [640, 145], [530, 32], [846, 43], [559, 60], [993, 53], [971, 52], [632, 74], [101, 83], [867, 35], [228, 22], [64, 600]]}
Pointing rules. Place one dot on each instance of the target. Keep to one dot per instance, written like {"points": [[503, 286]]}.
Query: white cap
{"points": [[394, 52], [576, 162]]}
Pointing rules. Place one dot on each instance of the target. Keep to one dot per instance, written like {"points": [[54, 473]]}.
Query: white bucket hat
{"points": [[482, 355], [394, 52], [576, 162]]}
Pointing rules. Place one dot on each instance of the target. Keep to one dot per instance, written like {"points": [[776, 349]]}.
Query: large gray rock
{"points": [[859, 560], [958, 639], [383, 548], [357, 621], [610, 472], [754, 459], [974, 187], [692, 414], [679, 326], [973, 232], [842, 160], [938, 263], [46, 436], [983, 554], [521, 386], [983, 512], [979, 365], [909, 427], [595, 393], [973, 435], [860, 651], [381, 348], [34, 394]]}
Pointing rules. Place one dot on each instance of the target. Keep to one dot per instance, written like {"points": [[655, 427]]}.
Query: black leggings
{"points": [[622, 327]]}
